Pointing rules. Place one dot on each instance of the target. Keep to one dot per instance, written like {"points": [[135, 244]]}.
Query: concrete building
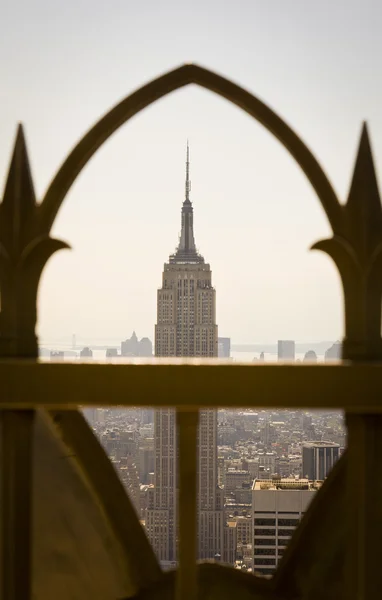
{"points": [[286, 350], [145, 347], [267, 434], [318, 459], [277, 508], [267, 460], [86, 352], [230, 543], [112, 353], [186, 326], [244, 557], [242, 494], [224, 347], [135, 347], [128, 472], [244, 530], [119, 444], [234, 479], [310, 356], [147, 416], [252, 465], [334, 352], [144, 493], [146, 459]]}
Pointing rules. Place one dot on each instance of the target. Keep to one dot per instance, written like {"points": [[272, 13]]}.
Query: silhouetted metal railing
{"points": [[354, 385]]}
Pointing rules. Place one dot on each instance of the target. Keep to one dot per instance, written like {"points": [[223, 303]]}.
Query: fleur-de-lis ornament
{"points": [[25, 247], [356, 249]]}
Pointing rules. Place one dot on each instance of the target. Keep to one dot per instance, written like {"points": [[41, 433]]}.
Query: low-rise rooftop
{"points": [[285, 484]]}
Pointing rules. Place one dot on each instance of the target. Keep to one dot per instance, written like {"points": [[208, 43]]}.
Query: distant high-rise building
{"points": [[230, 543], [244, 529], [147, 416], [129, 474], [186, 326], [235, 478], [286, 350], [146, 459], [86, 353], [318, 459], [267, 434], [111, 352], [334, 352], [277, 507], [145, 347], [135, 347], [310, 356], [224, 347], [120, 444]]}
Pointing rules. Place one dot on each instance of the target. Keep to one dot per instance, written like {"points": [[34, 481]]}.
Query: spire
{"points": [[186, 250], [188, 182]]}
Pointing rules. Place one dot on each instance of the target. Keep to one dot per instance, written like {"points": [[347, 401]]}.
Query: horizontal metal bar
{"points": [[355, 388]]}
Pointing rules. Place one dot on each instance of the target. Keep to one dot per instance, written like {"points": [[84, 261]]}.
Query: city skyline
{"points": [[261, 458], [255, 208], [120, 469]]}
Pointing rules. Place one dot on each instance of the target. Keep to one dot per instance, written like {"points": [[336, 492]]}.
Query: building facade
{"points": [[135, 347], [334, 352], [318, 458], [186, 326], [277, 507], [286, 350], [234, 478], [224, 347]]}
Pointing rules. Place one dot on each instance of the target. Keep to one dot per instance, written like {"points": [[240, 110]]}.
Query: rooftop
{"points": [[285, 484], [320, 444]]}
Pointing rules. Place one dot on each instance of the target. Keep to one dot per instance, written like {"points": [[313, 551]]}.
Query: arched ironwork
{"points": [[356, 248]]}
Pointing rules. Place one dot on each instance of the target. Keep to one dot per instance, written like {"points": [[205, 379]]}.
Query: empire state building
{"points": [[186, 326]]}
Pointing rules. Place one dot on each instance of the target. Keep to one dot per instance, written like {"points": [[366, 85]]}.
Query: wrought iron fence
{"points": [[335, 549]]}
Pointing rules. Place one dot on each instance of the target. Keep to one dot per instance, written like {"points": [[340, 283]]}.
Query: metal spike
{"points": [[364, 205], [188, 182], [19, 197]]}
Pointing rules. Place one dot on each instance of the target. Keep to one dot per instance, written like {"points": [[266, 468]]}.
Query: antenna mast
{"points": [[188, 182]]}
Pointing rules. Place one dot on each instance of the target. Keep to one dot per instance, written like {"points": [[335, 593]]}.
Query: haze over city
{"points": [[187, 415], [255, 214]]}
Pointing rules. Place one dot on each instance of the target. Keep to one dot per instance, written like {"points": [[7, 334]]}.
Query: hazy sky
{"points": [[318, 64]]}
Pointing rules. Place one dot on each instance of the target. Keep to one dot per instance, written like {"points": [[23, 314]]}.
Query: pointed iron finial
{"points": [[19, 198], [364, 171], [364, 204], [356, 249], [19, 186], [188, 182], [25, 247]]}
